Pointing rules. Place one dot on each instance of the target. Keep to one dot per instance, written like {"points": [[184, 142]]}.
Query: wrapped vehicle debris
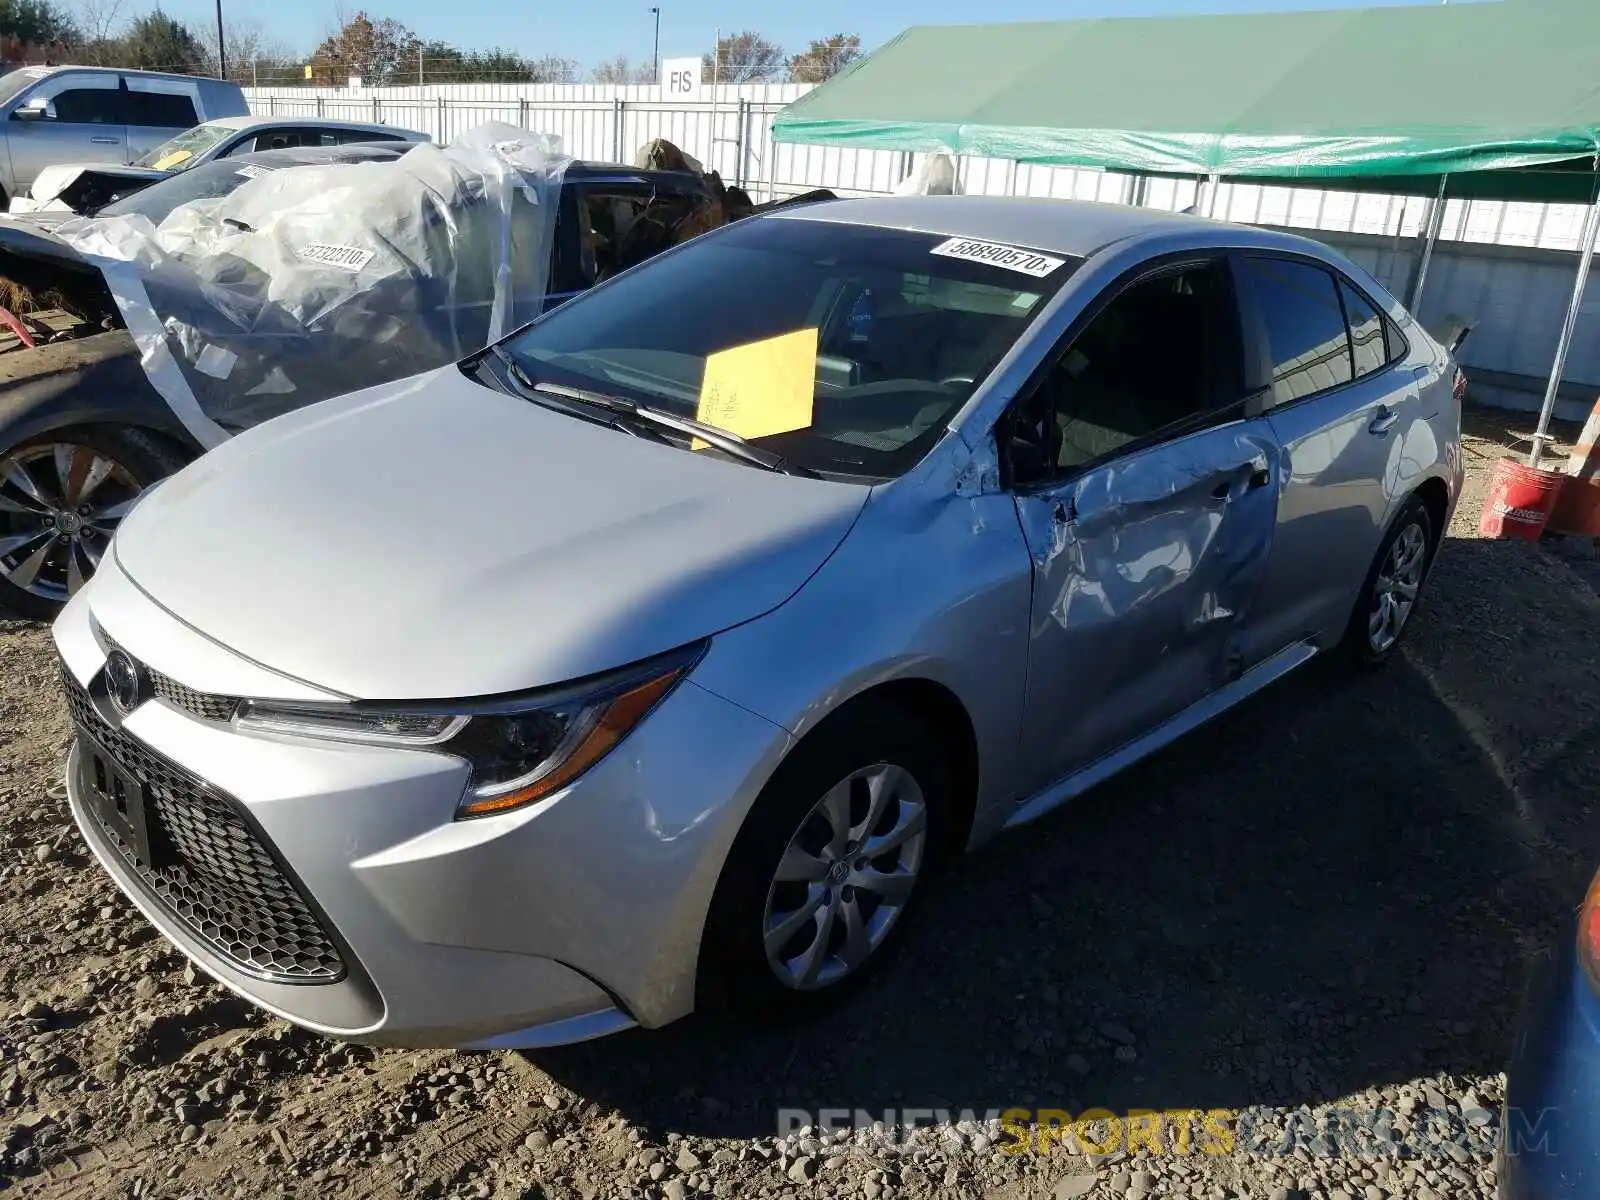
{"points": [[304, 284]]}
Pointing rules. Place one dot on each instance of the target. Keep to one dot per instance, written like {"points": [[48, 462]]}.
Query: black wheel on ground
{"points": [[62, 496], [831, 860], [1393, 587]]}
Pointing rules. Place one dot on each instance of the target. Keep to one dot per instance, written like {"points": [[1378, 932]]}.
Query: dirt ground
{"points": [[1328, 901]]}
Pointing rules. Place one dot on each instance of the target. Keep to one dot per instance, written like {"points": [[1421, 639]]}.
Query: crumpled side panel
{"points": [[310, 282], [1143, 570]]}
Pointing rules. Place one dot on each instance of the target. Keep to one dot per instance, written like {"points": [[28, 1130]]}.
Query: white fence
{"points": [[730, 131]]}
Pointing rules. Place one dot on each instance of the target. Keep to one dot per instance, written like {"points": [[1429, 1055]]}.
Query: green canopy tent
{"points": [[1490, 100]]}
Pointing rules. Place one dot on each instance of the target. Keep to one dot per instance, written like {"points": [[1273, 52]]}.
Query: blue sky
{"points": [[593, 30]]}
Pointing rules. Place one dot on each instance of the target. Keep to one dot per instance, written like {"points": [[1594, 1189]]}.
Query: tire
{"points": [[37, 576], [736, 977], [1413, 533]]}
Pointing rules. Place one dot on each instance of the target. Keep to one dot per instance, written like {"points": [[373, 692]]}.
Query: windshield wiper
{"points": [[730, 444], [526, 389]]}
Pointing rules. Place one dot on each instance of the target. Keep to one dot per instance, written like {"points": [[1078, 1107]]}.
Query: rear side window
{"points": [[88, 106], [1367, 344], [160, 110], [1303, 321]]}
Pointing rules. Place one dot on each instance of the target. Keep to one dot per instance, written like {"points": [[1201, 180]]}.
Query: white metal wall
{"points": [[1518, 301]]}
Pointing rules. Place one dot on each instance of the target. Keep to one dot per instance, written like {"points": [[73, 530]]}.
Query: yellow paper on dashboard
{"points": [[171, 160], [763, 387]]}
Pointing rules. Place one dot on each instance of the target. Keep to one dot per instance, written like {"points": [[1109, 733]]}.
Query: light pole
{"points": [[655, 56], [222, 54]]}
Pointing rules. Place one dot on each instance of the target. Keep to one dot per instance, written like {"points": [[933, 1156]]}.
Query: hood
{"points": [[63, 180], [437, 539]]}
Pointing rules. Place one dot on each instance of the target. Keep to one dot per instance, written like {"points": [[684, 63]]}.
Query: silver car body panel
{"points": [[1078, 627]]}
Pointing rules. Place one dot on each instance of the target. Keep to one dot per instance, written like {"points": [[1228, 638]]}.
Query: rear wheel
{"points": [[62, 496], [1393, 586], [827, 867]]}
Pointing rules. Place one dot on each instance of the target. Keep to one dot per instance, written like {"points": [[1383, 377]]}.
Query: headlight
{"points": [[520, 749]]}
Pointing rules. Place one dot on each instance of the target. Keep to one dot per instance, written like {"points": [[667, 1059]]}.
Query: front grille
{"points": [[219, 880], [198, 704]]}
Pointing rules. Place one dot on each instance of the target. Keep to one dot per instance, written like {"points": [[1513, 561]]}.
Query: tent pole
{"points": [[1435, 227], [1591, 230], [1213, 186]]}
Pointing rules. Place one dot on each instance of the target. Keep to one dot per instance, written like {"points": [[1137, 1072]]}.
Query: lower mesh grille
{"points": [[218, 879]]}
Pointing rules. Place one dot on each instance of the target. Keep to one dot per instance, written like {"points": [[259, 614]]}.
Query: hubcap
{"points": [[59, 505], [1394, 594], [845, 877]]}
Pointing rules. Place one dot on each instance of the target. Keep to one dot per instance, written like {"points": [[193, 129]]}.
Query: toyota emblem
{"points": [[125, 682]]}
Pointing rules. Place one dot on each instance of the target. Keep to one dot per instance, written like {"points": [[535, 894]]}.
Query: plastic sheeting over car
{"points": [[307, 283]]}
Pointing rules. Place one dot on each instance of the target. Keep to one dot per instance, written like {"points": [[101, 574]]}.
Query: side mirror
{"points": [[34, 110]]}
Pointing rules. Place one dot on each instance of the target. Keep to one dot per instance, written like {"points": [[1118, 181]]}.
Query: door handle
{"points": [[1383, 420], [1259, 478], [103, 141]]}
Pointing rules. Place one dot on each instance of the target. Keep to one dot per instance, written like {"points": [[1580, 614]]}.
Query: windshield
{"points": [[843, 348], [206, 182], [177, 153], [14, 81]]}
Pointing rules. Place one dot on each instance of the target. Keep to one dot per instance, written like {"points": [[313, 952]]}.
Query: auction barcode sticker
{"points": [[251, 171], [349, 258], [1012, 258]]}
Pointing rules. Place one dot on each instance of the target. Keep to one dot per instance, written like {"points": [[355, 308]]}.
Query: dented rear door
{"points": [[1142, 568]]}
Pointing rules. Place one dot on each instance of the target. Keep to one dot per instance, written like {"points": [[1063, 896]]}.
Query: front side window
{"points": [[87, 106], [179, 152], [1160, 354], [843, 348], [1302, 318]]}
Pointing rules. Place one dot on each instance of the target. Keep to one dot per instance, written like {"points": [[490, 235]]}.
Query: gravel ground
{"points": [[1324, 907]]}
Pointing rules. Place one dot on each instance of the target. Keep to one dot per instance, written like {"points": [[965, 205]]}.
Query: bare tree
{"points": [[825, 58], [253, 57], [99, 22], [621, 70], [746, 58]]}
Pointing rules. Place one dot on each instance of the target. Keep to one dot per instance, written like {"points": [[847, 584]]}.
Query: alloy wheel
{"points": [[845, 877], [1394, 592], [60, 502]]}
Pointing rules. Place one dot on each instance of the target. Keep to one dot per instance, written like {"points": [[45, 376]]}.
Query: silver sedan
{"points": [[653, 659]]}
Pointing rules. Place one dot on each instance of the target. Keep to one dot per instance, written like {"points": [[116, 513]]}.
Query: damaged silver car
{"points": [[654, 658]]}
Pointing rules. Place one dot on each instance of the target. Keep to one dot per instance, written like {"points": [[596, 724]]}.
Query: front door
{"points": [[1150, 527], [1341, 400], [74, 117]]}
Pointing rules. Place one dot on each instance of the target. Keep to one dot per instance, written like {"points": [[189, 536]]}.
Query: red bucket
{"points": [[1520, 500]]}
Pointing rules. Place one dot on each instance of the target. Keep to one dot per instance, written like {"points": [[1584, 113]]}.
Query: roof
{"points": [[250, 122], [1073, 227], [1365, 93], [300, 156]]}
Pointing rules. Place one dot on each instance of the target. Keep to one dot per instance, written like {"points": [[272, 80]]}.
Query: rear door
{"points": [[75, 116], [1148, 512], [155, 109], [1340, 397]]}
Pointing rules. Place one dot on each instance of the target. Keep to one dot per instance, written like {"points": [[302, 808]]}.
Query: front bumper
{"points": [[575, 917], [1550, 1133]]}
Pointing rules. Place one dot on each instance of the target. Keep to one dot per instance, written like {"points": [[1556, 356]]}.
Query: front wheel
{"points": [[827, 867], [62, 496], [1393, 586]]}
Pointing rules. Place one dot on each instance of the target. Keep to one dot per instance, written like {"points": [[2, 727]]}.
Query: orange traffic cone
{"points": [[1577, 509]]}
